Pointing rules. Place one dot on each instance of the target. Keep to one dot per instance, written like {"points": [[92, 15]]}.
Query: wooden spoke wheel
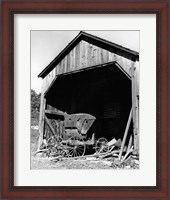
{"points": [[75, 147], [101, 145]]}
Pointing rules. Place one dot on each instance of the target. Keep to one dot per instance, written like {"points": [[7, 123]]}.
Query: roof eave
{"points": [[92, 39]]}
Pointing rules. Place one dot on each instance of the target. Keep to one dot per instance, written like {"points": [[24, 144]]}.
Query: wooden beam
{"points": [[137, 124], [125, 134], [41, 120], [129, 149], [49, 125], [127, 153], [135, 108], [130, 143], [54, 113]]}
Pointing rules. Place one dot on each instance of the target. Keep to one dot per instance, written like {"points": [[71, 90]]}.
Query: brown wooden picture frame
{"points": [[11, 7]]}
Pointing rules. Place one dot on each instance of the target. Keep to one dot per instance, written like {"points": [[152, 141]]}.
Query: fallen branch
{"points": [[110, 154], [41, 151], [125, 160], [56, 158]]}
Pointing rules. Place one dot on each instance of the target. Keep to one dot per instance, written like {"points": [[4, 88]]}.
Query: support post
{"points": [[41, 119], [135, 108], [49, 125], [125, 134]]}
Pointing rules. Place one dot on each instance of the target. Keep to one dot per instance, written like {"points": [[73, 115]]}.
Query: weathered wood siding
{"points": [[135, 104], [48, 80], [86, 55], [46, 83]]}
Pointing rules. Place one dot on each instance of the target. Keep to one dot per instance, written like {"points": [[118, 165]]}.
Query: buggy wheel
{"points": [[101, 145], [75, 147]]}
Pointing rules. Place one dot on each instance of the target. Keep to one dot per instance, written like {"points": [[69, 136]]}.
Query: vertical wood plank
{"points": [[53, 72], [125, 134], [83, 55], [71, 60], [65, 64], [78, 56], [115, 57], [85, 52], [86, 55], [89, 54], [56, 73], [137, 103], [57, 69], [134, 107], [124, 64], [104, 56], [62, 66], [68, 62], [110, 57], [98, 56], [74, 58], [42, 115], [107, 56], [49, 125], [95, 56], [101, 55], [92, 55], [129, 67], [70, 55]]}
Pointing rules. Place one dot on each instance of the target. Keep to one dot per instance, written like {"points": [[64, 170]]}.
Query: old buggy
{"points": [[72, 140]]}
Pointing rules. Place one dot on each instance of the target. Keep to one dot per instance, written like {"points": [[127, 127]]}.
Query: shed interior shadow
{"points": [[104, 92]]}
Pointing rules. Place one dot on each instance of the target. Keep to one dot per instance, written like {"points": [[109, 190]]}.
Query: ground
{"points": [[42, 162], [38, 161]]}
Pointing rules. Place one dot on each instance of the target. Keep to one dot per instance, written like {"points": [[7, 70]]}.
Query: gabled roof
{"points": [[102, 43]]}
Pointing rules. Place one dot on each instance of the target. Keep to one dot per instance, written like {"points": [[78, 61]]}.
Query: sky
{"points": [[46, 45]]}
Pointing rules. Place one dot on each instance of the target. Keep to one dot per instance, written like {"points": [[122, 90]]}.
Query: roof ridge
{"points": [[75, 41]]}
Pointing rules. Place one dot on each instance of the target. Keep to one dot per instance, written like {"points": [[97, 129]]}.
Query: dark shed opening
{"points": [[104, 92]]}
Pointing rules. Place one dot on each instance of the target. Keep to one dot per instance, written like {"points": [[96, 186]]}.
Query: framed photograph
{"points": [[84, 99]]}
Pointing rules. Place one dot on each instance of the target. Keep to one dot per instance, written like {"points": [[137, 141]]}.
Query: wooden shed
{"points": [[95, 76]]}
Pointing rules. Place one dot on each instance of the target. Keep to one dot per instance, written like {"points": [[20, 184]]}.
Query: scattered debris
{"points": [[107, 162], [72, 147], [35, 127], [108, 153], [91, 158], [136, 162]]}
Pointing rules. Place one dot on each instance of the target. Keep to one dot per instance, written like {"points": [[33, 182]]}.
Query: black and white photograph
{"points": [[85, 99]]}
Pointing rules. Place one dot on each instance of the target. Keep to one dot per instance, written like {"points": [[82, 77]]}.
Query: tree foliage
{"points": [[35, 103]]}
